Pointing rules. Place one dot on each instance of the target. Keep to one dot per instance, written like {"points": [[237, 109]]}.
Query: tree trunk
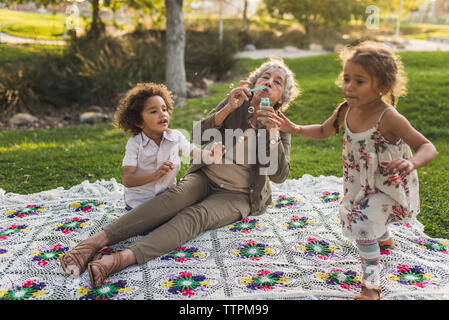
{"points": [[175, 75], [96, 26]]}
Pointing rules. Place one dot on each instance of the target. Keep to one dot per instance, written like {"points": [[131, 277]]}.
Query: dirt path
{"points": [[6, 38]]}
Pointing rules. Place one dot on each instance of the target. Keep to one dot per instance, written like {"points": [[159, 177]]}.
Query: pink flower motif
{"points": [[282, 196], [3, 237], [66, 231], [385, 252], [245, 220], [254, 259], [266, 288], [246, 231], [419, 284], [180, 259], [30, 205], [336, 270], [185, 274], [345, 286], [181, 249], [29, 283], [188, 292], [322, 257], [403, 268], [445, 252], [56, 247], [252, 242], [86, 209], [75, 219], [263, 272], [312, 240], [22, 215], [13, 226], [42, 263], [295, 218]]}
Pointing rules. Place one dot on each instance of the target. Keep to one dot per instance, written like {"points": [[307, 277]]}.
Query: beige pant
{"points": [[195, 205]]}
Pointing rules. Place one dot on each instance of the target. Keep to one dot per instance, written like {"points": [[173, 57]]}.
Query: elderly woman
{"points": [[209, 195]]}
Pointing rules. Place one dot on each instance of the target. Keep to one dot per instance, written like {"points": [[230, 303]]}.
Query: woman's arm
{"points": [[131, 178]]}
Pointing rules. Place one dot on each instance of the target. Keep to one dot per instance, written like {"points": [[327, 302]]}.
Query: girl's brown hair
{"points": [[382, 64], [129, 111]]}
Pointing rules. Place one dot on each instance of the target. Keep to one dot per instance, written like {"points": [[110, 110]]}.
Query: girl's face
{"points": [[274, 81], [358, 86], [155, 116]]}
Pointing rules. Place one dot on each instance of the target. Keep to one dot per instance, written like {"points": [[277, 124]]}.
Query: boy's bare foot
{"points": [[369, 293], [108, 264]]}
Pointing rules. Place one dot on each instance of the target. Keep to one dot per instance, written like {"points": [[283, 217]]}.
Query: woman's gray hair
{"points": [[291, 91]]}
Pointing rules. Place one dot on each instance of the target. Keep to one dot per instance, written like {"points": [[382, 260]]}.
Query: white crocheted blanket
{"points": [[293, 251]]}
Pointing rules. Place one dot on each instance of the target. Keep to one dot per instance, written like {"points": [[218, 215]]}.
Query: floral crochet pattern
{"points": [[246, 225], [184, 254], [285, 202], [74, 224], [433, 245], [265, 280], [251, 250], [87, 206], [48, 255], [30, 289], [346, 280], [296, 222], [185, 283], [12, 230], [319, 248], [108, 291], [330, 197], [29, 210], [414, 276]]}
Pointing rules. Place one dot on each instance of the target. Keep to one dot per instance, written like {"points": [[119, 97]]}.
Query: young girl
{"points": [[379, 170], [151, 160]]}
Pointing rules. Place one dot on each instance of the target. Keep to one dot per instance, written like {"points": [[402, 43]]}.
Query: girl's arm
{"points": [[131, 178], [395, 126], [314, 131]]}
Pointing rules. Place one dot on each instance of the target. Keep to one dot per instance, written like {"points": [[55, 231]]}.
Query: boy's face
{"points": [[155, 116]]}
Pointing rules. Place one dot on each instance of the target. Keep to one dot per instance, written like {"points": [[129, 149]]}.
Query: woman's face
{"points": [[274, 81]]}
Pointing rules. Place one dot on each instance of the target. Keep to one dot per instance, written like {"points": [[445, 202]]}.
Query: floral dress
{"points": [[374, 198]]}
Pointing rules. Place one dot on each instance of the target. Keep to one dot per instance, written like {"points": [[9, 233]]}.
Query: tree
{"points": [[175, 75], [315, 13]]}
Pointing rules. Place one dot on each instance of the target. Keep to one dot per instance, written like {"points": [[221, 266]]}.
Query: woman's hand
{"points": [[238, 95], [403, 166], [267, 116]]}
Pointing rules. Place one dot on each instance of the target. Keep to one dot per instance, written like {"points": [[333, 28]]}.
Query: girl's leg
{"points": [[370, 256]]}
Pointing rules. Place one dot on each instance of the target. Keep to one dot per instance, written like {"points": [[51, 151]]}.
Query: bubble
{"points": [[251, 109], [231, 85]]}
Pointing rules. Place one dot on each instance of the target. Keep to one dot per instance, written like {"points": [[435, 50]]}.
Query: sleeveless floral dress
{"points": [[372, 197]]}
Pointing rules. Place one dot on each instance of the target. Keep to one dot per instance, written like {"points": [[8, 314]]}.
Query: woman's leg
{"points": [[156, 211], [217, 210]]}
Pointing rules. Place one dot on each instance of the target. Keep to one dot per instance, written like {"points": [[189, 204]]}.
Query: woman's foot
{"points": [[74, 262], [369, 293], [100, 269]]}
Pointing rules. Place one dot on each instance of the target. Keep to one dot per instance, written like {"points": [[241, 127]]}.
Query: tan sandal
{"points": [[365, 297], [387, 244], [105, 271], [78, 255]]}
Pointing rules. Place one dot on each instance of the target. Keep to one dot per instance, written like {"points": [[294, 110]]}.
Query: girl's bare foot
{"points": [[369, 293], [126, 258]]}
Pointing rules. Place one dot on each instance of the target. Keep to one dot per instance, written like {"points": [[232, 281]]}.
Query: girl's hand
{"points": [[238, 95], [282, 122], [399, 165]]}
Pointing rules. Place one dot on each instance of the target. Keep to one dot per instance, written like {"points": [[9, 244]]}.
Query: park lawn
{"points": [[33, 25], [10, 53], [37, 160]]}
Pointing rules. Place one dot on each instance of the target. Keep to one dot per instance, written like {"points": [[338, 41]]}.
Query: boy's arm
{"points": [[131, 178]]}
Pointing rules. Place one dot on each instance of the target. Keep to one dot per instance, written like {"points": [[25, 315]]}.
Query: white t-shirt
{"points": [[143, 153]]}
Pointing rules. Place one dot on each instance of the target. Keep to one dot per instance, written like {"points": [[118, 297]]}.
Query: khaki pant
{"points": [[174, 217]]}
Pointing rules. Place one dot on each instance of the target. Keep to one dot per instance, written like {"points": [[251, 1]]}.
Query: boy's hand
{"points": [[165, 168], [399, 165]]}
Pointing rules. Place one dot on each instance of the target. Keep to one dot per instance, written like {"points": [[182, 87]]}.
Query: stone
{"points": [[249, 47], [92, 117], [22, 119], [206, 83], [94, 108], [315, 47]]}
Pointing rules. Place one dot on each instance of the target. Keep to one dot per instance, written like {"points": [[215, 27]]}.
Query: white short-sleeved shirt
{"points": [[143, 153]]}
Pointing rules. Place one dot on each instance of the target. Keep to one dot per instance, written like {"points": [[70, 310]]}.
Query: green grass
{"points": [[37, 160], [32, 25], [10, 53]]}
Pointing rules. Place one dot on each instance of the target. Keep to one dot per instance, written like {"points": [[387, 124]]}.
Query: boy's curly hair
{"points": [[129, 111]]}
